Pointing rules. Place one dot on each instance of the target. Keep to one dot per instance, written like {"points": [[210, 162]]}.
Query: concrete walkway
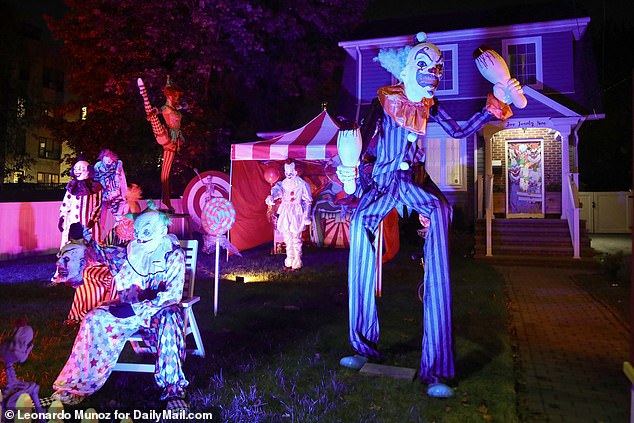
{"points": [[571, 348]]}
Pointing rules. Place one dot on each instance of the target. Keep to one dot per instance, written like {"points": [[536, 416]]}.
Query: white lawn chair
{"points": [[190, 247]]}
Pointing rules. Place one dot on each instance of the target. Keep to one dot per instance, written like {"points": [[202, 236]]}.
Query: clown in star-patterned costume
{"points": [[293, 213], [149, 286], [392, 175]]}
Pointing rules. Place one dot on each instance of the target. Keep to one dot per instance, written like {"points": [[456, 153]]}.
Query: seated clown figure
{"points": [[293, 213], [149, 287], [391, 175]]}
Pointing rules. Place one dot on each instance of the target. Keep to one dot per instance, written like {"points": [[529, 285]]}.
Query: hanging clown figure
{"points": [[149, 286], [293, 213], [391, 175], [109, 172]]}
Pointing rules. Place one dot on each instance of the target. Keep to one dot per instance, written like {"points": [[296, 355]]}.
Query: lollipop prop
{"points": [[493, 67], [349, 146], [218, 217]]}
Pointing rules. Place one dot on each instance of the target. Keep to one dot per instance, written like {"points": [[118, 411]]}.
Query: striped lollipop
{"points": [[218, 216]]}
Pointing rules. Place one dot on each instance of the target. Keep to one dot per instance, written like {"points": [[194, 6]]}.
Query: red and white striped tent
{"points": [[314, 144], [317, 140]]}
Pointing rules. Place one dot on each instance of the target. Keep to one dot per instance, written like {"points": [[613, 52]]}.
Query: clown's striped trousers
{"points": [[395, 190]]}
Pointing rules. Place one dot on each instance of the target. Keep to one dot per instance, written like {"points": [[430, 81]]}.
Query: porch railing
{"points": [[570, 206], [488, 208]]}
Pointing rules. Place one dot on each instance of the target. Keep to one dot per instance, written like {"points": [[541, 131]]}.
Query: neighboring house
{"points": [[524, 167], [35, 87]]}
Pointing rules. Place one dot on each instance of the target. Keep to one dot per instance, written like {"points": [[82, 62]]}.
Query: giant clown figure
{"points": [[392, 175], [149, 286], [293, 213]]}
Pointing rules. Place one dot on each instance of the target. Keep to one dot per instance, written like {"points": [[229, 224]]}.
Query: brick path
{"points": [[571, 349]]}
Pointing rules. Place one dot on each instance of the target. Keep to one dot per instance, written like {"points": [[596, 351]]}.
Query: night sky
{"points": [[613, 38]]}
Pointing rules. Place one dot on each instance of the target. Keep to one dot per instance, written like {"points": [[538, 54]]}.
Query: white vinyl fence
{"points": [[30, 228], [607, 212]]}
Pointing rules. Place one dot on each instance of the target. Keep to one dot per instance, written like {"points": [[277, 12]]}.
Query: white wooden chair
{"points": [[190, 247]]}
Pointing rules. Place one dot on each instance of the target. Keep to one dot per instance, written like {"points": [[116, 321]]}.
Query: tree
{"points": [[243, 65]]}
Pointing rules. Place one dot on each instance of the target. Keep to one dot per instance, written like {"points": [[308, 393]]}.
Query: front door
{"points": [[525, 178]]}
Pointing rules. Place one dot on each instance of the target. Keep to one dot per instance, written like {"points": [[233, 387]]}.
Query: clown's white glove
{"points": [[269, 201], [347, 175]]}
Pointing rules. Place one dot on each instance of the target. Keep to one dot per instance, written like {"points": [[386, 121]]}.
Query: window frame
{"points": [[537, 42], [455, 87], [47, 178], [48, 149], [441, 180]]}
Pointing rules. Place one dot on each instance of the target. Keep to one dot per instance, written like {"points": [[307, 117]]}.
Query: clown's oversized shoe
{"points": [[354, 362], [439, 390]]}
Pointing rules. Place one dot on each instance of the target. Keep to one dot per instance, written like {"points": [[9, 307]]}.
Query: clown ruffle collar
{"points": [[84, 187], [410, 115]]}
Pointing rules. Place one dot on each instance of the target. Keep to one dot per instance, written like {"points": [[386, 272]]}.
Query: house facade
{"points": [[524, 168]]}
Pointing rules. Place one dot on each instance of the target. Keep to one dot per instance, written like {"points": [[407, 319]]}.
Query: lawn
{"points": [[273, 349]]}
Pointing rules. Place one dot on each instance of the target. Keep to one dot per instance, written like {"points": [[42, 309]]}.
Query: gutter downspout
{"points": [[359, 69]]}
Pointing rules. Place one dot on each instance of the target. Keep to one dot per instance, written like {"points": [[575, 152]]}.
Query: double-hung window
{"points": [[445, 161], [524, 57], [449, 81]]}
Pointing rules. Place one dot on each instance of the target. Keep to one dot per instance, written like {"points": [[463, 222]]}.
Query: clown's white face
{"points": [[422, 71], [80, 170], [289, 171], [148, 228]]}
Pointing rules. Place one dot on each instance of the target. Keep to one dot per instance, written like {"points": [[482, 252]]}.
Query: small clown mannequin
{"points": [[392, 175], [294, 213], [82, 201], [15, 348]]}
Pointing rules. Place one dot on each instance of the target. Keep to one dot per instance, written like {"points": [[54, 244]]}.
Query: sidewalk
{"points": [[570, 348]]}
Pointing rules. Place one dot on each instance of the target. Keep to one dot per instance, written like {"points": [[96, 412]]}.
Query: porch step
{"points": [[530, 237]]}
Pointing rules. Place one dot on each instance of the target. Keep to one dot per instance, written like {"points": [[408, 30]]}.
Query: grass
{"points": [[273, 350]]}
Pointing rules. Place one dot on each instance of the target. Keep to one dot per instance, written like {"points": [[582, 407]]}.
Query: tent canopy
{"points": [[314, 142], [317, 140]]}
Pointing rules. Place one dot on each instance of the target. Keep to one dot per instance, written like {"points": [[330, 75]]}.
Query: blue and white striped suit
{"points": [[391, 187]]}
